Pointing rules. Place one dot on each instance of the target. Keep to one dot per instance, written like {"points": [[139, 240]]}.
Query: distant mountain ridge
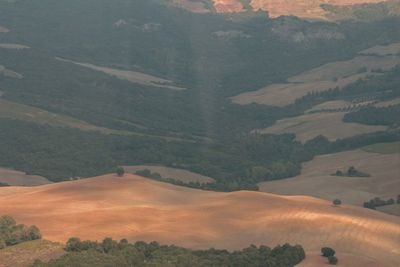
{"points": [[308, 9]]}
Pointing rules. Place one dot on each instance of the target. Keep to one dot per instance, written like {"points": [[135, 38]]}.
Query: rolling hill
{"points": [[316, 179], [140, 209]]}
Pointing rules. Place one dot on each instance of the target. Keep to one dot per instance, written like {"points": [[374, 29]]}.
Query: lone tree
{"points": [[120, 171], [332, 260], [327, 252], [337, 202]]}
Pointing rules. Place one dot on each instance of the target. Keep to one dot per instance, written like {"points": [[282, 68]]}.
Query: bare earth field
{"points": [[167, 172], [131, 76], [328, 124], [4, 30], [302, 8], [18, 178], [26, 253], [141, 209], [13, 46], [331, 75], [315, 179]]}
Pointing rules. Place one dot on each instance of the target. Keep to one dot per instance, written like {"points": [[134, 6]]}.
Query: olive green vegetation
{"points": [[363, 12], [122, 253], [12, 233], [202, 130], [383, 148]]}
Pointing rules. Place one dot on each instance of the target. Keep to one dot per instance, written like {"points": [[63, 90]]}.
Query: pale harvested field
{"points": [[316, 80], [18, 111], [167, 172], [381, 50], [335, 104], [10, 73], [26, 253], [131, 76], [388, 103], [302, 8], [390, 209], [140, 209], [18, 178], [345, 260], [227, 6], [315, 179], [13, 46], [4, 30], [196, 7], [328, 124], [14, 110]]}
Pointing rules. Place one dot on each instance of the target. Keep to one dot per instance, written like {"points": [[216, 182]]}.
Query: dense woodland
{"points": [[113, 253], [213, 56]]}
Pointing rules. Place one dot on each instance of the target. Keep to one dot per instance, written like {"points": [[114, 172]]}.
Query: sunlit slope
{"points": [[140, 209], [316, 179]]}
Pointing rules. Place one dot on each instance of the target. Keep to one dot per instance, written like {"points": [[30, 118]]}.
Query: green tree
{"points": [[332, 260], [337, 202], [34, 233], [120, 171], [327, 252]]}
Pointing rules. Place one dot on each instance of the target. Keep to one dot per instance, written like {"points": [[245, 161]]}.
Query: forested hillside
{"points": [[211, 57]]}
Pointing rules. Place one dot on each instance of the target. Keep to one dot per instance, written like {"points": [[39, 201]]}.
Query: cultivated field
{"points": [[395, 101], [18, 178], [345, 260], [140, 209], [131, 76], [167, 172], [331, 75], [9, 73], [334, 104], [390, 209], [328, 124], [316, 180], [302, 8], [196, 7], [3, 29], [18, 111], [381, 50], [26, 253], [13, 46], [383, 148]]}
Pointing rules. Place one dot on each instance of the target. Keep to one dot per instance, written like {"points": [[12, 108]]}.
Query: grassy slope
{"points": [[26, 253]]}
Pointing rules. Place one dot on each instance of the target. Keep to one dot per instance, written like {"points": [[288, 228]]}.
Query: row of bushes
{"points": [[112, 253]]}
